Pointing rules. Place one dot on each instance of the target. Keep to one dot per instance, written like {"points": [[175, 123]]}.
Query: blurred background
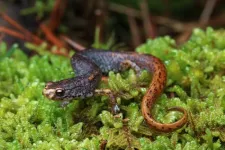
{"points": [[124, 24]]}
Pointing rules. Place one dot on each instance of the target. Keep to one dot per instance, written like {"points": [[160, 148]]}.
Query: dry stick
{"points": [[99, 25], [148, 26], [56, 14], [23, 37], [27, 33], [174, 24], [51, 37], [100, 14], [207, 11], [15, 34], [136, 39], [73, 44], [204, 18], [168, 22], [185, 35], [26, 36], [124, 10], [216, 21]]}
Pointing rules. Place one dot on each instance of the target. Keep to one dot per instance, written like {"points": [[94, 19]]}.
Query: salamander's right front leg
{"points": [[113, 104]]}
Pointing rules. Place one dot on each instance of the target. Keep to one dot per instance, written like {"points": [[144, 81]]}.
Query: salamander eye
{"points": [[59, 92]]}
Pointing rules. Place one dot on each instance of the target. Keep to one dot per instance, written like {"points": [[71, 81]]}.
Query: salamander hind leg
{"points": [[113, 103], [126, 64]]}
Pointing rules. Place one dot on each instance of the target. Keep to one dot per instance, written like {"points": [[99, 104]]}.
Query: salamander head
{"points": [[69, 89]]}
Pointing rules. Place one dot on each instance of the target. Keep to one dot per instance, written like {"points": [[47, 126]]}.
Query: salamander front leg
{"points": [[126, 64], [113, 104]]}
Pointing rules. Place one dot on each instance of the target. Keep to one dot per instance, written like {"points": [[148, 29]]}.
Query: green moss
{"points": [[196, 82]]}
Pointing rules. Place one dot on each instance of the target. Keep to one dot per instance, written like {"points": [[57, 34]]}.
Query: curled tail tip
{"points": [[180, 109], [169, 127], [182, 121]]}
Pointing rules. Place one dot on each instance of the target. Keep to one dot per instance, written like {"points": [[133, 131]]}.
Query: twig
{"points": [[25, 38], [100, 14], [168, 22], [174, 24], [203, 21], [148, 26], [73, 44], [51, 37], [124, 10], [16, 34], [183, 37], [136, 39], [207, 11], [27, 33], [12, 22], [56, 14]]}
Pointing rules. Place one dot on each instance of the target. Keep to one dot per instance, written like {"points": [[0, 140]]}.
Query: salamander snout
{"points": [[52, 92], [48, 92]]}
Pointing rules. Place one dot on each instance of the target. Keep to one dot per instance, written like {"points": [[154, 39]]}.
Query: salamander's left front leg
{"points": [[113, 104]]}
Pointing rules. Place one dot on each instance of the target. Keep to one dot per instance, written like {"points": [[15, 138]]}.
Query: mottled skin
{"points": [[88, 66]]}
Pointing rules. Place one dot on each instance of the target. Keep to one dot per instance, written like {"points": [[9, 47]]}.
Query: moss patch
{"points": [[195, 78]]}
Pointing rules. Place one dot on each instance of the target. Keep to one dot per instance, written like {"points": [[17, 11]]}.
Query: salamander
{"points": [[90, 64]]}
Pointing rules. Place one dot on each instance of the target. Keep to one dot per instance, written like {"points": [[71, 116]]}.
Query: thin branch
{"points": [[207, 11], [73, 44], [51, 37], [148, 26], [12, 22], [124, 10], [174, 24], [100, 15], [136, 39], [56, 14], [168, 22], [16, 34]]}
